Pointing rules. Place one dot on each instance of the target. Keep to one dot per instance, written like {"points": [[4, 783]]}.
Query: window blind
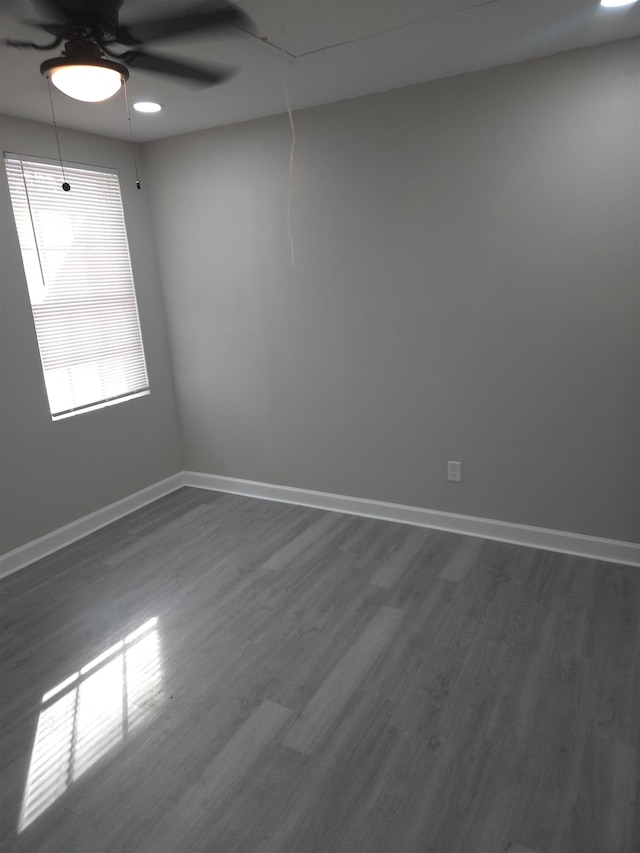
{"points": [[76, 259]]}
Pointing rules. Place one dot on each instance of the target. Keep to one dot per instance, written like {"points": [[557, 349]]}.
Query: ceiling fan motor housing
{"points": [[83, 51], [99, 16], [96, 20]]}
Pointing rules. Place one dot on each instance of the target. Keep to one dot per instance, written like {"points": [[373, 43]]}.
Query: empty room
{"points": [[320, 426]]}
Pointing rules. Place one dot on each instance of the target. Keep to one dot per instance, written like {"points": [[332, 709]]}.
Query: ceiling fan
{"points": [[90, 70]]}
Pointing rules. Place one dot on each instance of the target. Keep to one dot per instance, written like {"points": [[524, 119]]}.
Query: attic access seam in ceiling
{"points": [[293, 56]]}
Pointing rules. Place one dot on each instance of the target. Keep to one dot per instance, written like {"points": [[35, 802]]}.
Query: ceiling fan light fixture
{"points": [[89, 81]]}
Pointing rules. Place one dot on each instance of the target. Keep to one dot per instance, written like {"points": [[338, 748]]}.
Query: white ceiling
{"points": [[317, 50]]}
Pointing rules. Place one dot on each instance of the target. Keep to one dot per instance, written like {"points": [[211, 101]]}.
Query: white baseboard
{"points": [[45, 545], [611, 550]]}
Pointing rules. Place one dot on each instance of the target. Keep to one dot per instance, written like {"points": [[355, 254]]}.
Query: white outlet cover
{"points": [[454, 472]]}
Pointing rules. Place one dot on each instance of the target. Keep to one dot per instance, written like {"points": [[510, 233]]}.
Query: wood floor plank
{"points": [[170, 533], [219, 780], [415, 584], [605, 813], [269, 797], [318, 532], [462, 559], [342, 781], [320, 713], [396, 668], [394, 565]]}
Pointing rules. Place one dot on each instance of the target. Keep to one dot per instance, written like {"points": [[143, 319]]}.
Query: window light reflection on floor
{"points": [[90, 712]]}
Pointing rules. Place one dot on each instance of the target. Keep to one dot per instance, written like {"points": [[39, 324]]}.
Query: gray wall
{"points": [[466, 286], [53, 473]]}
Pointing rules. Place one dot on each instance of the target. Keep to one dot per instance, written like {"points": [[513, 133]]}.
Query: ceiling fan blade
{"points": [[213, 15], [208, 75], [72, 10], [65, 17], [50, 9]]}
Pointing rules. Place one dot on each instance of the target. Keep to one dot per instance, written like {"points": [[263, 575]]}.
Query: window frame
{"points": [[109, 317]]}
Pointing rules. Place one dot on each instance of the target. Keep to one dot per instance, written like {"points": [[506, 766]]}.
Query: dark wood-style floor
{"points": [[217, 673]]}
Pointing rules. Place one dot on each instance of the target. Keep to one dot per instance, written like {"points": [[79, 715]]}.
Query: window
{"points": [[76, 260]]}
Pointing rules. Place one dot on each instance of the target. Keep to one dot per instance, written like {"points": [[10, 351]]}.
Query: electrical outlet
{"points": [[454, 472]]}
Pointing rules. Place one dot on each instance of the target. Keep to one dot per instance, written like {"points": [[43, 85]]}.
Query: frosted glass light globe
{"points": [[86, 82]]}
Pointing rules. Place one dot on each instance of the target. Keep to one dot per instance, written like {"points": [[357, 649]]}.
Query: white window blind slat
{"points": [[76, 259]]}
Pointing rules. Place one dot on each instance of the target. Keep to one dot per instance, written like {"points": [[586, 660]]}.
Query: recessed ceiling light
{"points": [[613, 3], [147, 107]]}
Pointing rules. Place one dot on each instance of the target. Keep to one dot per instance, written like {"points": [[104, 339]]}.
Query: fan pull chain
{"points": [[66, 186], [292, 153], [290, 182], [133, 147]]}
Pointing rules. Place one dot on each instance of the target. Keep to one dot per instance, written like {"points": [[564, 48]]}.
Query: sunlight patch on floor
{"points": [[89, 713]]}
